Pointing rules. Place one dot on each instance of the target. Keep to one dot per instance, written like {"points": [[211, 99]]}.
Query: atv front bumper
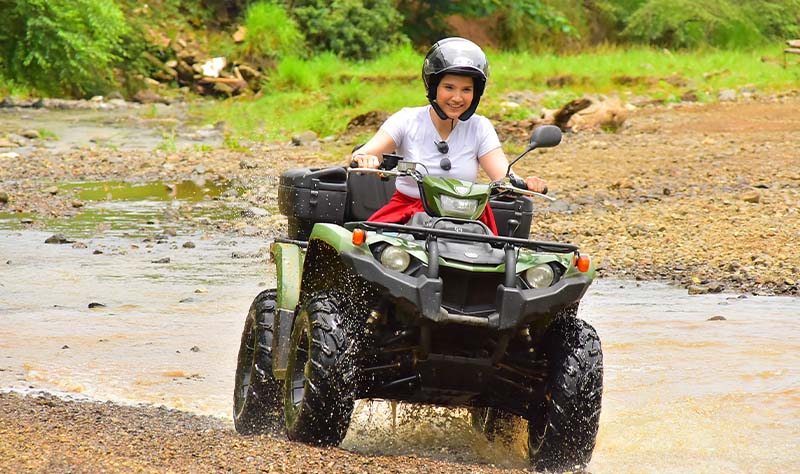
{"points": [[515, 306]]}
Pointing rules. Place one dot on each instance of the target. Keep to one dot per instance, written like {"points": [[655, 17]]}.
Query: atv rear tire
{"points": [[318, 393], [256, 394], [562, 428]]}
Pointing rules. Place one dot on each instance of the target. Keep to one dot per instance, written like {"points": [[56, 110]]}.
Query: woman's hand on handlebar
{"points": [[366, 161], [536, 185]]}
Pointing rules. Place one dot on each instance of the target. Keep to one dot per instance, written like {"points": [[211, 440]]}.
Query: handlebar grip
{"points": [[354, 164], [544, 191], [518, 182]]}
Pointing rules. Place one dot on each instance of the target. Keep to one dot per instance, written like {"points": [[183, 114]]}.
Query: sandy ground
{"points": [[704, 196]]}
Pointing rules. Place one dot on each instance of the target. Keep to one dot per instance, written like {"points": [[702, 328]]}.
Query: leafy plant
{"points": [[692, 23], [61, 46], [271, 33], [518, 22], [353, 29]]}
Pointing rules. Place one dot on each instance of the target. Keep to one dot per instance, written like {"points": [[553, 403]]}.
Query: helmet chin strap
{"points": [[438, 110]]}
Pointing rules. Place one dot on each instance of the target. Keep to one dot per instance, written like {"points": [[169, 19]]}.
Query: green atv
{"points": [[436, 311]]}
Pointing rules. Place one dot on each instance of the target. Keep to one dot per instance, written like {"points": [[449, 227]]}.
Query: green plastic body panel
{"points": [[288, 260], [435, 187], [340, 239]]}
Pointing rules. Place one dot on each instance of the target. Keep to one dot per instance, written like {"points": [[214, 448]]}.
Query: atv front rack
{"points": [[515, 306], [423, 233]]}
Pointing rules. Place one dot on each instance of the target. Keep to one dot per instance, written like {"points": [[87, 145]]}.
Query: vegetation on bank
{"points": [[324, 93], [323, 62]]}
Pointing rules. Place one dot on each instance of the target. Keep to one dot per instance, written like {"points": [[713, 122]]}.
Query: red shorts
{"points": [[402, 207]]}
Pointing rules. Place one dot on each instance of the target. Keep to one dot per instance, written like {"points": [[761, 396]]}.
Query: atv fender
{"points": [[288, 260]]}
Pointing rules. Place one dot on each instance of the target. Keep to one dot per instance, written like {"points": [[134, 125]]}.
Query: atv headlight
{"points": [[395, 258], [540, 276], [458, 207]]}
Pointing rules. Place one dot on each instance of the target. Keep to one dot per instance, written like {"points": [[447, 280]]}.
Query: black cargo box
{"points": [[519, 208], [310, 195]]}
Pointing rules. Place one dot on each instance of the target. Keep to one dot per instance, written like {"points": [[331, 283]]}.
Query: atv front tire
{"points": [[563, 427], [256, 394], [319, 393]]}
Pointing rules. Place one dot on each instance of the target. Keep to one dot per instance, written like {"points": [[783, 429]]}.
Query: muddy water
{"points": [[682, 394], [130, 127]]}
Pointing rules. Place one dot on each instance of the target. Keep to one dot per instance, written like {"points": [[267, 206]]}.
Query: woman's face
{"points": [[454, 94]]}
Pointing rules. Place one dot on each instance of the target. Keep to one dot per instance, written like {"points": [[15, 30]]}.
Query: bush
{"points": [[687, 24], [352, 29], [271, 34], [61, 46]]}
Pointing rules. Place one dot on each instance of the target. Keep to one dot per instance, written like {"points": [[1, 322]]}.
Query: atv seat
{"points": [[366, 194]]}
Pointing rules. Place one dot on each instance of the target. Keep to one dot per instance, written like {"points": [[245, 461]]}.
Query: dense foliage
{"points": [[354, 29], [723, 23], [79, 47], [61, 46], [271, 33]]}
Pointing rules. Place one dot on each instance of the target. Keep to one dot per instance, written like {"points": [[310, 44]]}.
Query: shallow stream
{"points": [[112, 319]]}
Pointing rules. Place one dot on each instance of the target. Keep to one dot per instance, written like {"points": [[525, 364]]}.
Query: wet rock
{"points": [[77, 204], [188, 300], [717, 318], [31, 134], [751, 197], [149, 97], [255, 212], [4, 197], [188, 245], [64, 347], [97, 252], [79, 245], [201, 290], [95, 304], [5, 143], [248, 165], [58, 239], [698, 290], [161, 260], [195, 349], [305, 138]]}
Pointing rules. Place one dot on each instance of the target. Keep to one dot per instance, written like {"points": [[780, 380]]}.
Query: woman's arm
{"points": [[495, 164], [369, 155]]}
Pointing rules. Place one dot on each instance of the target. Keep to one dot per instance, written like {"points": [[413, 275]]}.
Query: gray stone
{"points": [[58, 239], [726, 95], [305, 138]]}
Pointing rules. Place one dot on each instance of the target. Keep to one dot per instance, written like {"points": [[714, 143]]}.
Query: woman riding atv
{"points": [[446, 136]]}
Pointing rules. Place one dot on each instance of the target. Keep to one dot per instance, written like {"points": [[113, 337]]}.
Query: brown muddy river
{"points": [[682, 393]]}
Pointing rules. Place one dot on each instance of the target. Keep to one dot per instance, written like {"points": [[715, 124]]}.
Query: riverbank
{"points": [[44, 433], [705, 196]]}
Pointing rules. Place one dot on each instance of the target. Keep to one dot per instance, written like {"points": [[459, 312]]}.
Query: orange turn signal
{"points": [[583, 263], [359, 236]]}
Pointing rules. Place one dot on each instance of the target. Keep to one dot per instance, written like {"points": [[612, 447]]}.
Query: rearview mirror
{"points": [[543, 136]]}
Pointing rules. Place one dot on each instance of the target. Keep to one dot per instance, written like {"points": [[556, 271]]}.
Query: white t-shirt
{"points": [[415, 135]]}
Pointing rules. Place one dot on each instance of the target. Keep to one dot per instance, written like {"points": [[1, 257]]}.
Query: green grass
{"points": [[324, 93]]}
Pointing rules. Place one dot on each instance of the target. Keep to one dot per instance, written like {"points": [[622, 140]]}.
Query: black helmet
{"points": [[455, 56]]}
